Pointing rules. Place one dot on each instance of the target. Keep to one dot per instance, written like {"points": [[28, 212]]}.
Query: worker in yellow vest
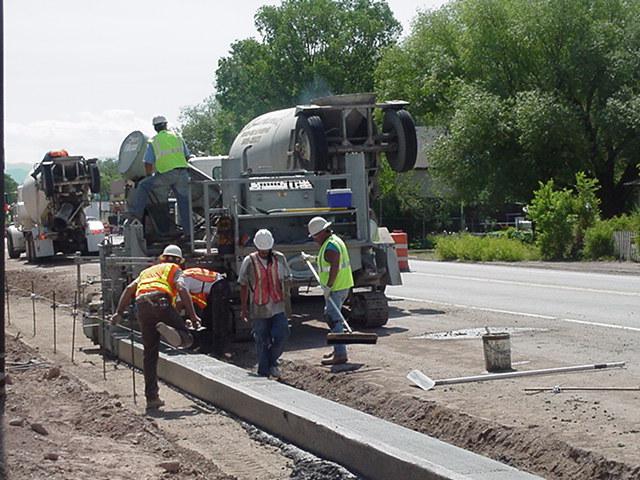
{"points": [[336, 280], [167, 154], [264, 274], [154, 291], [210, 292]]}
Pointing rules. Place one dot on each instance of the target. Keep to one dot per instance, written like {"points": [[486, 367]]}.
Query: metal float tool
{"points": [[426, 383], [349, 336]]}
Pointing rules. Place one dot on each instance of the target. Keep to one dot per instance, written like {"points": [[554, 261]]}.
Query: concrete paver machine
{"points": [[284, 168]]}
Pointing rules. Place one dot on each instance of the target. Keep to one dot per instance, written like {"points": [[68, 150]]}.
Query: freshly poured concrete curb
{"points": [[372, 447]]}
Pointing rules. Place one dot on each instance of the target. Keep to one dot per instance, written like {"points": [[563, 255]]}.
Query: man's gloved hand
{"points": [[326, 291], [306, 256], [116, 318]]}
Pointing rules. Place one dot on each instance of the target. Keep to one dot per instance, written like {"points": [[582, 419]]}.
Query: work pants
{"points": [[149, 313], [270, 335], [332, 316]]}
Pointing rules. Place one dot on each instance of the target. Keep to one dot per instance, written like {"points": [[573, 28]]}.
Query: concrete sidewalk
{"points": [[372, 447]]}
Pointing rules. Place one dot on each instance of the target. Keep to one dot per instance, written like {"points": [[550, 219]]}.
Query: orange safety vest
{"points": [[268, 284], [158, 278], [205, 276]]}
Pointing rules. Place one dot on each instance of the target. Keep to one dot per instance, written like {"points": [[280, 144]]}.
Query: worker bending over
{"points": [[336, 279], [264, 273], [210, 293], [167, 154], [154, 291]]}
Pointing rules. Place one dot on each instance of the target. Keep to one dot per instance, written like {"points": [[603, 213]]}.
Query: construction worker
{"points": [[167, 154], [154, 291], [210, 293], [264, 273], [336, 279]]}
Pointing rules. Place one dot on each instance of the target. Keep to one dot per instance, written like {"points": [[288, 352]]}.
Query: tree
{"points": [[108, 172], [307, 49], [10, 189], [528, 91]]}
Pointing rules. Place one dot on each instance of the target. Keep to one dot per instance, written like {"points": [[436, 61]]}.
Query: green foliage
{"points": [[524, 236], [108, 172], [561, 217], [598, 239], [307, 49], [527, 91], [10, 189], [485, 249]]}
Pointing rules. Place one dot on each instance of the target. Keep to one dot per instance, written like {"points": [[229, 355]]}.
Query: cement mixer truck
{"points": [[50, 209], [284, 168]]}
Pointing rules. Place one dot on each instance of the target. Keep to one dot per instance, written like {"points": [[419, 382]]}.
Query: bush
{"points": [[525, 236], [598, 240], [486, 249]]}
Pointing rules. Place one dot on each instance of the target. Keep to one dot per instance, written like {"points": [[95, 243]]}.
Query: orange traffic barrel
{"points": [[402, 249]]}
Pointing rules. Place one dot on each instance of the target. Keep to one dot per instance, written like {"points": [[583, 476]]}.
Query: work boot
{"points": [[334, 360], [169, 334], [275, 372], [154, 403], [328, 355]]}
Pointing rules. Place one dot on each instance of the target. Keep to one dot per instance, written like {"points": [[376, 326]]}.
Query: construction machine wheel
{"points": [[47, 179], [369, 309], [13, 252], [94, 174], [311, 143], [401, 130]]}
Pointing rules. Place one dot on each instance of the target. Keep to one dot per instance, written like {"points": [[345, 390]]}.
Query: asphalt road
{"points": [[606, 300]]}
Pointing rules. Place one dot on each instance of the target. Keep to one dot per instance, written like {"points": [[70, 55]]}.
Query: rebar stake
{"points": [[104, 346], [33, 305], [133, 363], [74, 314], [54, 307], [6, 289]]}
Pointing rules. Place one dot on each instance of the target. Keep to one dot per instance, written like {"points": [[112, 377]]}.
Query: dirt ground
{"points": [[567, 435]]}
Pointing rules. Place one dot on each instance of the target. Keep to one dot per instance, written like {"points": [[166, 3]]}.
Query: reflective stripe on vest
{"points": [[267, 281], [158, 278], [205, 276], [344, 278], [169, 151]]}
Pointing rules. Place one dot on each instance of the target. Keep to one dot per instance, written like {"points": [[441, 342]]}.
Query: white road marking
{"points": [[523, 314], [527, 284]]}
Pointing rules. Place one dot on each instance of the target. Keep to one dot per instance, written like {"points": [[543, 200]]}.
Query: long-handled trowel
{"points": [[349, 336]]}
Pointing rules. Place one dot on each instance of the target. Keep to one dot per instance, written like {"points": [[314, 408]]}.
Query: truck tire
{"points": [[94, 173], [31, 249], [47, 179], [311, 143], [401, 128], [13, 253]]}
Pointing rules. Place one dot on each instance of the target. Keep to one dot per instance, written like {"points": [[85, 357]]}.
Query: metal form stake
{"points": [[104, 346], [33, 305], [6, 289], [74, 314], [133, 363], [54, 307]]}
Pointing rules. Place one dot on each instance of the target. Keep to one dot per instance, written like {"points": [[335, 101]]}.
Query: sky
{"points": [[82, 74]]}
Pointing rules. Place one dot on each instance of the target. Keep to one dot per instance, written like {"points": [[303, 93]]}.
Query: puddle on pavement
{"points": [[475, 333]]}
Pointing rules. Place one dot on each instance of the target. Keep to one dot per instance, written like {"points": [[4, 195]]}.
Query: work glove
{"points": [[306, 256], [326, 291], [116, 318]]}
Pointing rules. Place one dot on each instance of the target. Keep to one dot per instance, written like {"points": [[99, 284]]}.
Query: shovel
{"points": [[425, 383], [342, 338]]}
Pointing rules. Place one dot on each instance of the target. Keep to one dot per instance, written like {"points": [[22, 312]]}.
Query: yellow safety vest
{"points": [[158, 278], [344, 279], [169, 151]]}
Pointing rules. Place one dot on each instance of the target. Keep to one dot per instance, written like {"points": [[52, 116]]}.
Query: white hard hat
{"points": [[316, 225], [159, 120], [263, 240], [172, 250]]}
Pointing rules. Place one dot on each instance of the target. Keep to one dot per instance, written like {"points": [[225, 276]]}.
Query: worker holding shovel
{"points": [[336, 279]]}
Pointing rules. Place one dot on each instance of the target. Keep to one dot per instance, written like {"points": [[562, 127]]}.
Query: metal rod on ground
{"points": [[74, 314], [426, 383], [33, 305], [559, 388], [54, 306]]}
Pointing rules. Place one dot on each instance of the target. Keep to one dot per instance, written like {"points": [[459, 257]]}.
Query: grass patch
{"points": [[483, 249]]}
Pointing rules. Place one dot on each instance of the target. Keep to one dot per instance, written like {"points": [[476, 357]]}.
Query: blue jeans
{"points": [[176, 180], [333, 318], [270, 335]]}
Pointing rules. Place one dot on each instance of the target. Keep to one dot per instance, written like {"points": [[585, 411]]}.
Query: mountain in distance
{"points": [[18, 171]]}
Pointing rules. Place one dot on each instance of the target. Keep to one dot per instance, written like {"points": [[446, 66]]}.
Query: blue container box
{"points": [[339, 197]]}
